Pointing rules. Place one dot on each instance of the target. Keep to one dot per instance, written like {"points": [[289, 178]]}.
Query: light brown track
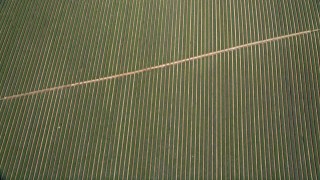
{"points": [[158, 66]]}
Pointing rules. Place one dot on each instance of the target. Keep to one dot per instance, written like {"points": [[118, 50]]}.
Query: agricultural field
{"points": [[179, 89]]}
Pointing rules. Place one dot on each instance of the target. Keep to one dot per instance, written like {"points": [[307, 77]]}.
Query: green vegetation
{"points": [[253, 112]]}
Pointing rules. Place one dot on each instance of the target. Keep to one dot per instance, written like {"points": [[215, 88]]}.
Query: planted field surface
{"points": [[52, 43], [229, 109]]}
